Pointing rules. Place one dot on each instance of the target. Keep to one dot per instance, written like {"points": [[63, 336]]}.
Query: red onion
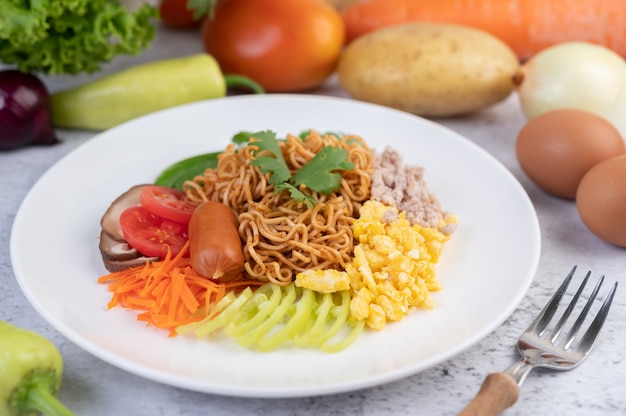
{"points": [[24, 111]]}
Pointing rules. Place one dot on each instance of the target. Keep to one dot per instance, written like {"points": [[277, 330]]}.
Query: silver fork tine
{"points": [[542, 320], [571, 335], [590, 337], [559, 326], [500, 390]]}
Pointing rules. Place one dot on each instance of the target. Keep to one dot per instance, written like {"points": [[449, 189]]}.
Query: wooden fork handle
{"points": [[498, 392]]}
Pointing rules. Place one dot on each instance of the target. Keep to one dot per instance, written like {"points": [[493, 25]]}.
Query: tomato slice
{"points": [[167, 203], [151, 234]]}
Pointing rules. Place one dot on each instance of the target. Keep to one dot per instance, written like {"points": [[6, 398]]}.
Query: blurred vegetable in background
{"points": [[575, 75], [284, 45], [177, 14], [340, 4], [527, 26], [429, 69], [71, 36], [142, 89], [31, 368], [24, 111]]}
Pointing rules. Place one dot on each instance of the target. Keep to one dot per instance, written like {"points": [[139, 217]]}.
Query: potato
{"points": [[429, 69]]}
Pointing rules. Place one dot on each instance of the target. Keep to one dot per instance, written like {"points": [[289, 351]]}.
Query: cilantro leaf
{"points": [[304, 134], [241, 138], [276, 165], [319, 173], [296, 194]]}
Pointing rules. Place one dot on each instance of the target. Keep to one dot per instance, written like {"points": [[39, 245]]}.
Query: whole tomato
{"points": [[175, 14], [284, 45]]}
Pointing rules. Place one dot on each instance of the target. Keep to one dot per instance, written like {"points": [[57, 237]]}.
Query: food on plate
{"points": [[305, 240], [429, 69], [168, 292], [116, 253], [403, 186], [393, 266], [176, 174], [151, 234], [286, 46], [60, 37], [159, 224], [119, 254], [143, 224], [579, 75], [32, 370], [214, 245], [166, 203], [323, 280], [119, 97], [24, 111], [273, 316], [399, 235], [557, 148], [601, 200], [393, 270], [527, 26], [282, 235], [110, 222]]}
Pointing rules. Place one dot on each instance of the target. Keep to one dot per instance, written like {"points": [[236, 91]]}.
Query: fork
{"points": [[542, 346]]}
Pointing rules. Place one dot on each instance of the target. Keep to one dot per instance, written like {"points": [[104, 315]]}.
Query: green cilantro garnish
{"points": [[274, 164], [319, 174]]}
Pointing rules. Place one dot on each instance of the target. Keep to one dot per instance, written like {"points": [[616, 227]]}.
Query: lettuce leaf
{"points": [[71, 36]]}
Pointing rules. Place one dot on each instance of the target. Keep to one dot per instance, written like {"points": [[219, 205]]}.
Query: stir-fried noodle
{"points": [[282, 237]]}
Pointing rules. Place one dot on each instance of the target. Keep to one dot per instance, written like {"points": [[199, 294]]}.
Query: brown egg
{"points": [[557, 148], [601, 200]]}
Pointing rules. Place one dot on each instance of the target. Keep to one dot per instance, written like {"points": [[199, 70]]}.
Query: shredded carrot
{"points": [[169, 293]]}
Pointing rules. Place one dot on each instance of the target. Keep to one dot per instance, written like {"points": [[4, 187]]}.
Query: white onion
{"points": [[575, 75]]}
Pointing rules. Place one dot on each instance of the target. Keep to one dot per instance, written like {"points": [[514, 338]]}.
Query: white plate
{"points": [[485, 269]]}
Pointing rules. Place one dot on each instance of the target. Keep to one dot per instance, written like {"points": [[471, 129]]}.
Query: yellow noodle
{"points": [[282, 237]]}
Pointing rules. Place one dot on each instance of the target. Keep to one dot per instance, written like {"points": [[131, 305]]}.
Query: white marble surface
{"points": [[92, 387]]}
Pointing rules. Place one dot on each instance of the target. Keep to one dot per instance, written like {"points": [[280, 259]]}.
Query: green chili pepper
{"points": [[136, 91], [175, 175], [31, 368]]}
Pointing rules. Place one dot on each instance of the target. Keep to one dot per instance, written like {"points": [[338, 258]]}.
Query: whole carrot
{"points": [[527, 26]]}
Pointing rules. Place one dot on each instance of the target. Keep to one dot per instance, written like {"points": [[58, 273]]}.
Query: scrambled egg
{"points": [[393, 268], [324, 281]]}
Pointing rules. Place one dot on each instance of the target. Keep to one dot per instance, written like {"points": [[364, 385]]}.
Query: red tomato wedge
{"points": [[151, 234], [167, 202]]}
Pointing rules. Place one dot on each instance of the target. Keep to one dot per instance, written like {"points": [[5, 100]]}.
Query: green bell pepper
{"points": [[119, 97], [31, 368], [176, 174]]}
